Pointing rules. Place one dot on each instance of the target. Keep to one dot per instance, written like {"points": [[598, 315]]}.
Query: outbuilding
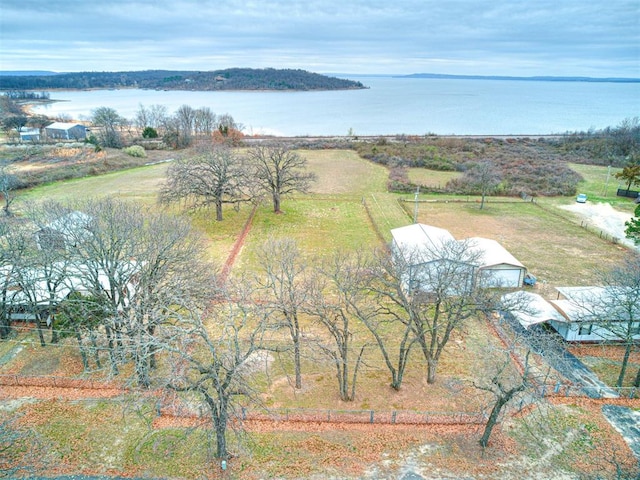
{"points": [[428, 257], [497, 267], [66, 131]]}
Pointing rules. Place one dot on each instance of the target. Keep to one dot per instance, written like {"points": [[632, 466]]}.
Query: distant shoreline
{"points": [[537, 78]]}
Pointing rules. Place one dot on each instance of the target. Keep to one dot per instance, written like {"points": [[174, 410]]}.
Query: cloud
{"points": [[544, 37]]}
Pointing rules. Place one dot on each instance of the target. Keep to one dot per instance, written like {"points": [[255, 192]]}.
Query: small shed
{"points": [[66, 131], [497, 267], [29, 134]]}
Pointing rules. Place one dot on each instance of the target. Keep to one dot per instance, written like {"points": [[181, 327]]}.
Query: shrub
{"points": [[149, 132], [135, 151]]}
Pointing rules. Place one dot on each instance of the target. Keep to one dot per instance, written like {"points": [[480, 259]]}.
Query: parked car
{"points": [[582, 198]]}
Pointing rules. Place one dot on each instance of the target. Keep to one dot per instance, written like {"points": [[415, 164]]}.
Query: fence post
{"points": [[393, 417], [328, 415], [244, 413], [371, 416]]}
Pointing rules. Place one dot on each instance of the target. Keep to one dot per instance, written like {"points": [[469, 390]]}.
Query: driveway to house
{"points": [[604, 217], [557, 356], [627, 423]]}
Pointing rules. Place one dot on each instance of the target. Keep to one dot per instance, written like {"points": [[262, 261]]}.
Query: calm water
{"points": [[392, 106]]}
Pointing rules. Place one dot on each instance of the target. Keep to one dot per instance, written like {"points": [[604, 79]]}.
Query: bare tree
{"points": [[485, 176], [212, 350], [287, 290], [435, 292], [22, 451], [204, 122], [111, 124], [386, 285], [215, 176], [9, 182], [12, 249], [505, 387], [331, 303], [280, 172]]}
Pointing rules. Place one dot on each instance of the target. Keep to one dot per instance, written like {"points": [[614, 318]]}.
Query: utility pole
{"points": [[415, 206], [606, 184]]}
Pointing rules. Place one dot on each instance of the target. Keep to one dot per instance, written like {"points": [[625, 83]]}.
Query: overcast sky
{"points": [[598, 38]]}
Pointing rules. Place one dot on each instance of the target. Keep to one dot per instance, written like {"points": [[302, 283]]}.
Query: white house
{"points": [[497, 267], [583, 314], [595, 314], [66, 131], [31, 291]]}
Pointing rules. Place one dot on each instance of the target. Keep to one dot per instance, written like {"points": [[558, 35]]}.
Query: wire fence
{"points": [[309, 415], [14, 380]]}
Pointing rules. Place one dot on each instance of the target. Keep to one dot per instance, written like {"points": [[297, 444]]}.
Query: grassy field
{"points": [[431, 178], [342, 212]]}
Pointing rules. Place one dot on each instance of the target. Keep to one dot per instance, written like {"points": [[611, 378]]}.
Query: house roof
{"points": [[29, 131], [63, 125], [492, 253], [421, 243], [72, 279], [532, 309], [598, 303]]}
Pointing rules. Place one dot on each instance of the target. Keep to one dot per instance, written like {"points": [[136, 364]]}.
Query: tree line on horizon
{"points": [[227, 79]]}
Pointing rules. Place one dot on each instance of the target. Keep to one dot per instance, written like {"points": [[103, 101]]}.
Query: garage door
{"points": [[505, 278]]}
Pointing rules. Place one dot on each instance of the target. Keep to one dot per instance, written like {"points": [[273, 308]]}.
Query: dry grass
{"points": [[551, 246], [431, 178], [332, 217]]}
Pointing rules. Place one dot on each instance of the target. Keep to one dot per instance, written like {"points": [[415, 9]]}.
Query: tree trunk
{"points": [[493, 419], [432, 365], [96, 350], [55, 338], [112, 353], [296, 361], [218, 210], [40, 332], [5, 325], [83, 353], [623, 367], [636, 383], [276, 203]]}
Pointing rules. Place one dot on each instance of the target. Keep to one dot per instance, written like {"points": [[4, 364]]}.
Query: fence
{"points": [[308, 415], [560, 389], [54, 382], [628, 193]]}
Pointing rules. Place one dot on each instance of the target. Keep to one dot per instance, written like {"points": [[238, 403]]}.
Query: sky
{"points": [[596, 38]]}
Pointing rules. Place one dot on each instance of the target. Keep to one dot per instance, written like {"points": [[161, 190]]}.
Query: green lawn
{"points": [[431, 178], [598, 188]]}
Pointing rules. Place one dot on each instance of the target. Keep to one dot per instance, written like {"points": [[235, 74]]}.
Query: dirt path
{"points": [[604, 217]]}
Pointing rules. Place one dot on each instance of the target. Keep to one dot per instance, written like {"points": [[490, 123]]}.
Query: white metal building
{"points": [[498, 267]]}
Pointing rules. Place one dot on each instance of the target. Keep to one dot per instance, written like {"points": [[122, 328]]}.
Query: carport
{"points": [[535, 309]]}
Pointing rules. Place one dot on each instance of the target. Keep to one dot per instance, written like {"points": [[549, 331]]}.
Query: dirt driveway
{"points": [[604, 217]]}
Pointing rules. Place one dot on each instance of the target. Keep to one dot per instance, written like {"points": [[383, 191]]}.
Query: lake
{"points": [[412, 106]]}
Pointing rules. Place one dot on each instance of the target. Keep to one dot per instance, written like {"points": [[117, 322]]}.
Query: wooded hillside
{"points": [[229, 79]]}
